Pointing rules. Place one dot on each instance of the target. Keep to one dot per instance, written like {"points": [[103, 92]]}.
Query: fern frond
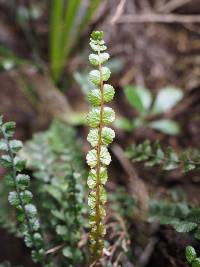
{"points": [[56, 160], [153, 154], [20, 197], [183, 218], [100, 136]]}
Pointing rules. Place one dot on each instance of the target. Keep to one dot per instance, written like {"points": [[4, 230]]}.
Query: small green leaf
{"points": [[38, 255], [196, 262], [188, 166], [3, 145], [67, 253], [15, 145], [28, 240], [105, 157], [103, 175], [38, 239], [109, 92], [9, 128], [91, 182], [102, 194], [13, 199], [93, 137], [34, 222], [166, 126], [92, 199], [20, 214], [58, 214], [93, 117], [105, 73], [103, 57], [9, 179], [184, 227], [31, 210], [94, 97], [194, 215], [108, 115], [166, 99], [94, 59], [94, 77], [19, 163], [61, 230], [22, 181], [6, 161], [54, 192], [107, 135], [140, 98], [102, 212], [26, 196], [91, 158], [190, 254], [172, 160]]}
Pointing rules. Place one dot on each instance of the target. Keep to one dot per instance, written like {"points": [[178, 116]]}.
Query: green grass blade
{"points": [[72, 9]]}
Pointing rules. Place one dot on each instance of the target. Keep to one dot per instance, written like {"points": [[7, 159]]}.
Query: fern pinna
{"points": [[100, 136]]}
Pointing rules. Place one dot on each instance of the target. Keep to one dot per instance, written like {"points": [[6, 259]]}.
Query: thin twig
{"points": [[55, 249], [118, 12], [172, 5], [136, 186], [159, 18], [147, 252]]}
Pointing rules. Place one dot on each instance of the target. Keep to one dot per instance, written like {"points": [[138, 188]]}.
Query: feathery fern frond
{"points": [[153, 154], [20, 197], [57, 164], [183, 218]]}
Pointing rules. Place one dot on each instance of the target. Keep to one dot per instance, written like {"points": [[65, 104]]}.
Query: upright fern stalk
{"points": [[100, 136]]}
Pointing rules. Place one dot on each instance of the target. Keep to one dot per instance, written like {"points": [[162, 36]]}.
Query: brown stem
{"points": [[98, 148]]}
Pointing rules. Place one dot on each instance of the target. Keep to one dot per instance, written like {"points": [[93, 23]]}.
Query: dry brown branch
{"points": [[55, 249], [159, 18], [136, 186], [148, 250], [119, 11], [172, 5]]}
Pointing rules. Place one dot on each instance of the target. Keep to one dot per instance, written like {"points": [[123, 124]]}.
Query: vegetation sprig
{"points": [[100, 136], [153, 154], [20, 197], [57, 165]]}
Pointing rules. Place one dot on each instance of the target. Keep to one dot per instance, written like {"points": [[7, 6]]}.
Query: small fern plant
{"points": [[183, 218], [20, 197], [59, 175], [100, 136]]}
